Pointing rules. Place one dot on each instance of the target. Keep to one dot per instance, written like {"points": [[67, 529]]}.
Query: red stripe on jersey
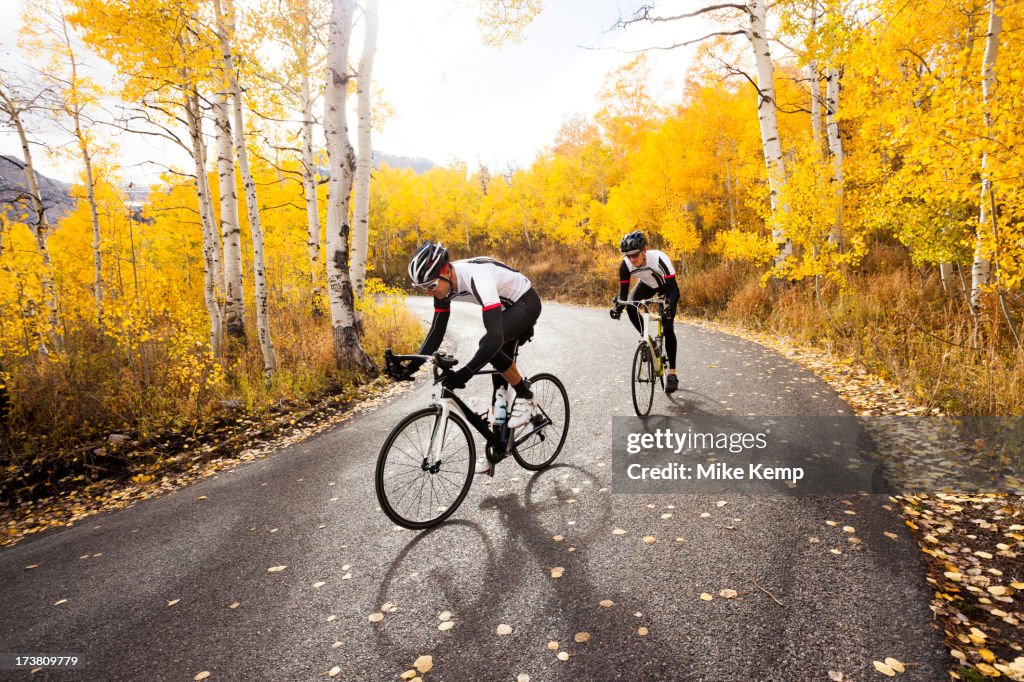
{"points": [[623, 281], [491, 307], [669, 276]]}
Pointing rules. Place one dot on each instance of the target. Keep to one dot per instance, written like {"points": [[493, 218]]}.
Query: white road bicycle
{"points": [[650, 361], [427, 463]]}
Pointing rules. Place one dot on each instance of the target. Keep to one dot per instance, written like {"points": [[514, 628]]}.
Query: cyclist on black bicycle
{"points": [[654, 274], [510, 309]]}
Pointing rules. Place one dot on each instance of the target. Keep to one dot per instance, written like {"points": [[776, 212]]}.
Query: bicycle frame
{"points": [[645, 323], [447, 400]]}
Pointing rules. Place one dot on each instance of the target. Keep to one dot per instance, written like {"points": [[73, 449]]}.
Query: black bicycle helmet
{"points": [[427, 263], [634, 241]]}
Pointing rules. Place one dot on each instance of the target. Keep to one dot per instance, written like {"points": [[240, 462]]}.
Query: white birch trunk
{"points": [[225, 29], [768, 120], [946, 275], [816, 132], [74, 108], [211, 247], [361, 236], [981, 270], [309, 184], [90, 191], [815, 87], [40, 227], [348, 351], [230, 232], [835, 146]]}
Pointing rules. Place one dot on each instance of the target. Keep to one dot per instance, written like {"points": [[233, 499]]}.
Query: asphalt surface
{"points": [[801, 609]]}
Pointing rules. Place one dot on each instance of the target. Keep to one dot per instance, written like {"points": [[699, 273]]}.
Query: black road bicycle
{"points": [[426, 465]]}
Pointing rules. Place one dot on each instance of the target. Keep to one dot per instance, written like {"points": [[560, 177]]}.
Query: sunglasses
{"points": [[633, 254], [430, 286]]}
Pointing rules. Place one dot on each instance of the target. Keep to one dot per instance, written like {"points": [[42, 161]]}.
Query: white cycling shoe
{"points": [[483, 466], [521, 413]]}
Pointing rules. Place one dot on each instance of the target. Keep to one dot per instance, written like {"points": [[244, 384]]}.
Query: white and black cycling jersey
{"points": [[654, 272], [488, 282]]}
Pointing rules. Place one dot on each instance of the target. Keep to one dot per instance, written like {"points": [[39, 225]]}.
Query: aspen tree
{"points": [[981, 269], [364, 162], [230, 232], [225, 33], [15, 107], [756, 14], [347, 349], [46, 33]]}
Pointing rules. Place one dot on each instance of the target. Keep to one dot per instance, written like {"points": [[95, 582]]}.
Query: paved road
{"points": [[312, 508]]}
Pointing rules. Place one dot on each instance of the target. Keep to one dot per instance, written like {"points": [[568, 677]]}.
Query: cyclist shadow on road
{"points": [[501, 573], [569, 601]]}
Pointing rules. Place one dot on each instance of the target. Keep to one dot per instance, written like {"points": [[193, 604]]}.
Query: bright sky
{"points": [[456, 98]]}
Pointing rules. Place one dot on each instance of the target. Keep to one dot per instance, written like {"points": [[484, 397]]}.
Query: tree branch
{"points": [[644, 14], [738, 32]]}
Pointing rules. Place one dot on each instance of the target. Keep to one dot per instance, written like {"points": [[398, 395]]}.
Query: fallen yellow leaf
{"points": [[883, 668], [895, 665]]}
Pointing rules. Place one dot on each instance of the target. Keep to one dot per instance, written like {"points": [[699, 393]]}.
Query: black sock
{"points": [[523, 390]]}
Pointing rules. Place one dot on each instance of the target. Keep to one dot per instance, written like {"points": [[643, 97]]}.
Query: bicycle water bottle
{"points": [[500, 407]]}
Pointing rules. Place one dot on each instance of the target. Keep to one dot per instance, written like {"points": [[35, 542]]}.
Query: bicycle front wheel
{"points": [[643, 380], [415, 490], [538, 443]]}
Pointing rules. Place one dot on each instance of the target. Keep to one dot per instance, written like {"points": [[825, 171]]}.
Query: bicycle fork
{"points": [[432, 460]]}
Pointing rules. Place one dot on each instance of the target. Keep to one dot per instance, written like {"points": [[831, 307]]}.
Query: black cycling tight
{"points": [[642, 292]]}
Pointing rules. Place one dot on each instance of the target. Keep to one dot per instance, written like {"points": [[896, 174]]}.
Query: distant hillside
{"points": [[14, 192], [57, 195], [417, 165]]}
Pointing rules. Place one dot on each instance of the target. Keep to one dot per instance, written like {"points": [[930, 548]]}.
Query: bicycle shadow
{"points": [[486, 578]]}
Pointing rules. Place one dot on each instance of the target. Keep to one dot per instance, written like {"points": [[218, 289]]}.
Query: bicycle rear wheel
{"points": [[413, 492], [643, 380], [538, 443]]}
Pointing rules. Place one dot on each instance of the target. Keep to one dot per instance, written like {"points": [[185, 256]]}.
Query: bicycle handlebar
{"points": [[394, 365], [659, 300]]}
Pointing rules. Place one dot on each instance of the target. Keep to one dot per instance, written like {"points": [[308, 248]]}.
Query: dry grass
{"points": [[903, 327], [63, 404]]}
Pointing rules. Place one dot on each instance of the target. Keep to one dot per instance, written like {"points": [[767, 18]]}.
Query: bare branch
{"points": [[739, 32], [644, 14]]}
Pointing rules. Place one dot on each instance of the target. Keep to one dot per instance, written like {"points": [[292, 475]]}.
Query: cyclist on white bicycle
{"points": [[655, 275], [510, 308]]}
